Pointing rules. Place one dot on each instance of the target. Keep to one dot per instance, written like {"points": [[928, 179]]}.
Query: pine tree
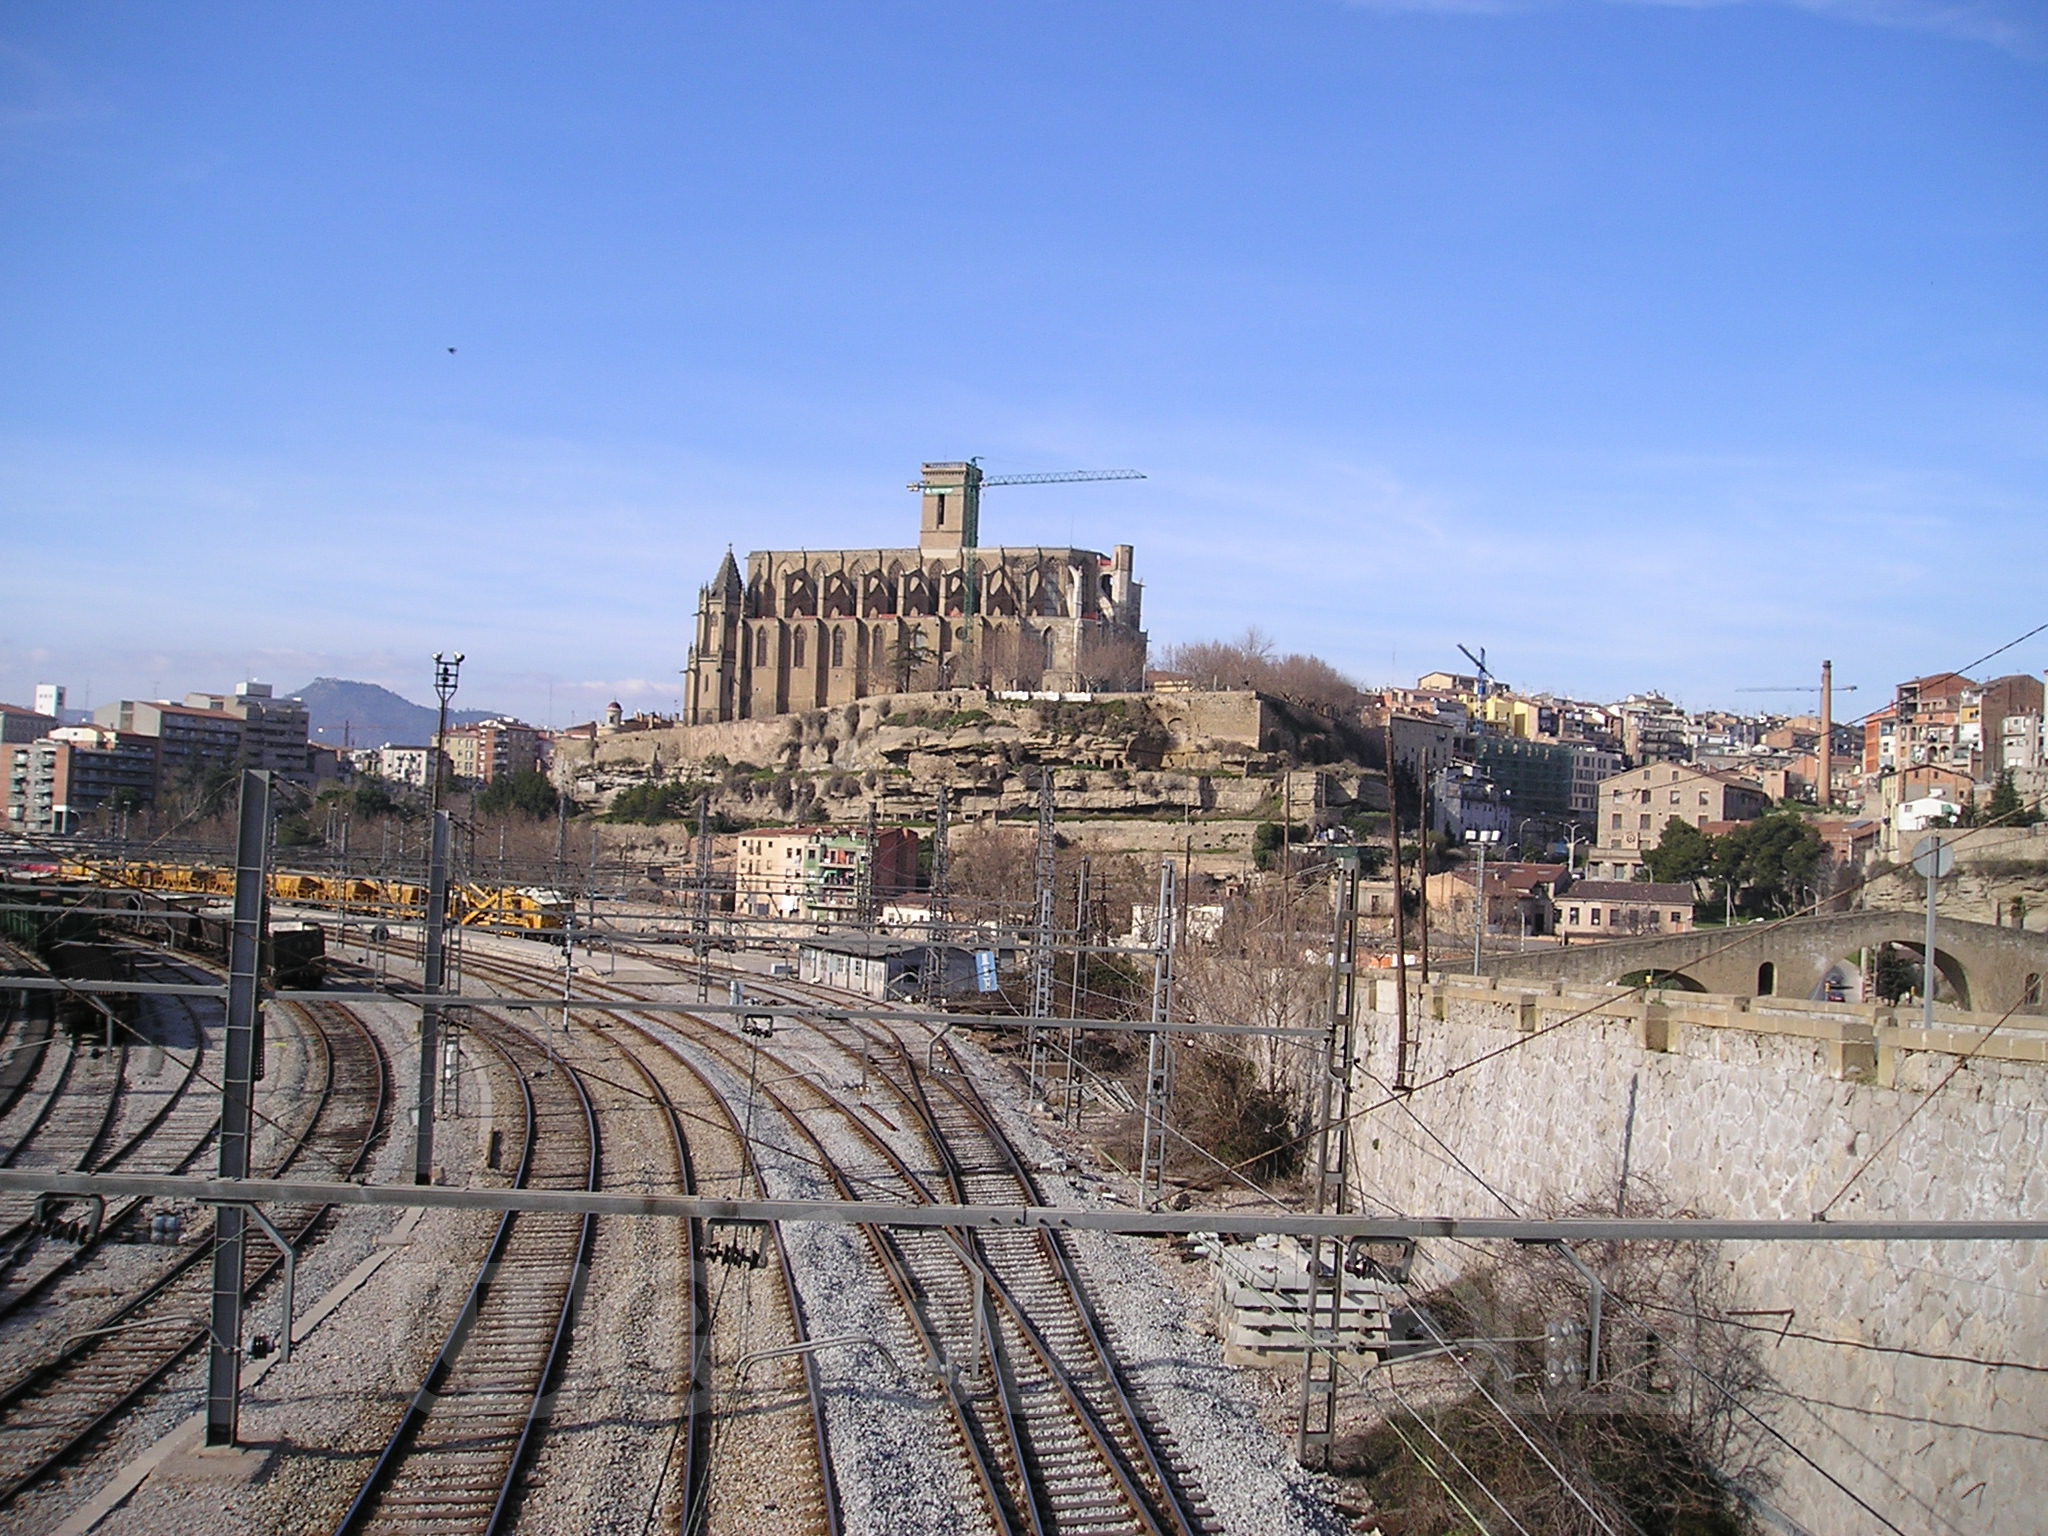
{"points": [[2005, 808]]}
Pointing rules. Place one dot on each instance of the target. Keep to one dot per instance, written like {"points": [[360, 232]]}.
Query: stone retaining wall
{"points": [[1759, 1108]]}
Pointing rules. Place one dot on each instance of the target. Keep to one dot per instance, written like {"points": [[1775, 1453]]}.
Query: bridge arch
{"points": [[1821, 957], [1673, 981], [1951, 980], [1840, 982]]}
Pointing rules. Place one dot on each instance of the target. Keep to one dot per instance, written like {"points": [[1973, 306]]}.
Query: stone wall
{"points": [[2001, 877], [1763, 1108]]}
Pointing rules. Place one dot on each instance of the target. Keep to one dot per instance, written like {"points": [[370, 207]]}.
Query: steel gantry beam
{"points": [[1578, 1229], [514, 1001]]}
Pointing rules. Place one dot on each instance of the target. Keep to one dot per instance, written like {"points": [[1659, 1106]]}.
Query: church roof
{"points": [[727, 582]]}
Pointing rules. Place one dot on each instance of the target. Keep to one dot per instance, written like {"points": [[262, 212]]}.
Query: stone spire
{"points": [[726, 584]]}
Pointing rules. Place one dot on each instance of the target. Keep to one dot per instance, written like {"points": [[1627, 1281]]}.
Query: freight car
{"points": [[517, 909], [94, 1012], [294, 956]]}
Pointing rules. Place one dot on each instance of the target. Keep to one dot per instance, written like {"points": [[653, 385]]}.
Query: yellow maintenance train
{"points": [[524, 909]]}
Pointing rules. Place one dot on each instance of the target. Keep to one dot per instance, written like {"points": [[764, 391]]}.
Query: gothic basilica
{"points": [[807, 629]]}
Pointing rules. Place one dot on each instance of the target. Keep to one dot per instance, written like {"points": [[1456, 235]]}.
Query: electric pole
{"points": [[1042, 937], [700, 896], [1400, 916], [932, 981], [447, 676], [1158, 1048]]}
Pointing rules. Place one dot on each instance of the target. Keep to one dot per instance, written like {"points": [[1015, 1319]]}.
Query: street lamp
{"points": [[447, 673], [1482, 840]]}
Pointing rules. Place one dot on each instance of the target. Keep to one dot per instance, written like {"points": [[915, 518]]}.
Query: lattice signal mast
{"points": [[1042, 934], [932, 981]]}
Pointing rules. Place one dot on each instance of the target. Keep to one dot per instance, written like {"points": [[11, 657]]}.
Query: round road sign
{"points": [[1933, 857]]}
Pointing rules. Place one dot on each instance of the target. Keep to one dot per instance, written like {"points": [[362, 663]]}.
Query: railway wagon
{"points": [[294, 956], [96, 961], [525, 909]]}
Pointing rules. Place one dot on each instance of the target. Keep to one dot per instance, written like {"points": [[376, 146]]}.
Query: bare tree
{"points": [[1114, 662], [1654, 1430], [1250, 661], [1258, 972], [990, 872], [1010, 658]]}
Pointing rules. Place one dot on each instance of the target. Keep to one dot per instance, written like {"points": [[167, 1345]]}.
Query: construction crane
{"points": [[1054, 477], [1485, 677], [1824, 788], [968, 482]]}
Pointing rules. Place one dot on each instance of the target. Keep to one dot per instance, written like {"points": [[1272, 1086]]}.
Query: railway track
{"points": [[749, 1452], [55, 1407], [1044, 1289], [25, 1035], [31, 1269], [1056, 1441], [454, 1462]]}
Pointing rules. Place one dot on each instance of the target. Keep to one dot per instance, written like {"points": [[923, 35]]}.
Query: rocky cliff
{"points": [[1180, 757]]}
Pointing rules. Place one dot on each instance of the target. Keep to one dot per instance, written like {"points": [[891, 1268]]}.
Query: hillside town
{"points": [[1024, 769], [1570, 799]]}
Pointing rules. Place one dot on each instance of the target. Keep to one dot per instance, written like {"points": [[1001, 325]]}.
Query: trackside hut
{"points": [[876, 967]]}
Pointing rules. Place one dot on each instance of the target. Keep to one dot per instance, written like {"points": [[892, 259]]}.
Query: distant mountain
{"points": [[343, 713]]}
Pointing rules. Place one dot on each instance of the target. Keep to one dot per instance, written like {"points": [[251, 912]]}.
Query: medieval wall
{"points": [[1757, 1108]]}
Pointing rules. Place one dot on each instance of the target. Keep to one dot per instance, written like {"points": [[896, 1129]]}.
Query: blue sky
{"points": [[1646, 344]]}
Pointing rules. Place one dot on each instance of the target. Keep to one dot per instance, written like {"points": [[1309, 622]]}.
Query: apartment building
{"points": [[2023, 745], [1636, 806], [403, 765], [191, 741], [1620, 909], [274, 730], [1518, 896], [820, 874], [1535, 776], [1592, 766], [55, 783], [1653, 729], [491, 750], [1944, 733], [18, 724]]}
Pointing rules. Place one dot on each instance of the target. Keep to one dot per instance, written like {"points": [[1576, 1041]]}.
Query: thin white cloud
{"points": [[34, 93], [2018, 27], [2007, 24], [1449, 7]]}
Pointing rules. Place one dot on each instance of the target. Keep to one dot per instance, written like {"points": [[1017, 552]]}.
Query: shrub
{"points": [[651, 804]]}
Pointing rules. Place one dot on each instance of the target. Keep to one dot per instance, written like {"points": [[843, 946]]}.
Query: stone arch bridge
{"points": [[1981, 966]]}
